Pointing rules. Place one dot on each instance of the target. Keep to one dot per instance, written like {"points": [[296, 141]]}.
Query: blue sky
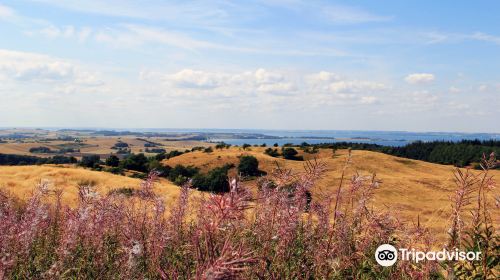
{"points": [[279, 64]]}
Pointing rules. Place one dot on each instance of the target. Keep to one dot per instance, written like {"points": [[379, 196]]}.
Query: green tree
{"points": [[290, 153], [113, 161], [249, 166], [215, 180], [137, 162]]}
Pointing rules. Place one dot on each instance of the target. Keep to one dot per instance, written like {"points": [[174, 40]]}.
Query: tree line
{"points": [[461, 154]]}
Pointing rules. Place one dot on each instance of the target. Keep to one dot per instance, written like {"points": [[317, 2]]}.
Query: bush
{"points": [[137, 162], [272, 152], [40, 150], [156, 151], [249, 166], [113, 161], [245, 146], [215, 180], [180, 174], [290, 153], [120, 145], [208, 150], [222, 145], [91, 161], [155, 165]]}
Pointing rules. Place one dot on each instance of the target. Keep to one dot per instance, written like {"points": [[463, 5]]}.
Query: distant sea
{"points": [[386, 138], [269, 137]]}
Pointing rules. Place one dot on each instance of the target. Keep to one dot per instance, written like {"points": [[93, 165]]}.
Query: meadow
{"points": [[68, 223]]}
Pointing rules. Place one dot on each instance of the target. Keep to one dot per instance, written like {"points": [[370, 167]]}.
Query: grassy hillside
{"points": [[21, 180], [411, 189]]}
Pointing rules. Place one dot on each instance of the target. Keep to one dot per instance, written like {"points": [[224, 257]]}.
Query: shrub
{"points": [[40, 150], [290, 153], [208, 150], [113, 161], [272, 152], [120, 145], [155, 165], [245, 146], [249, 166], [90, 161], [180, 174], [215, 180], [137, 162], [222, 145]]}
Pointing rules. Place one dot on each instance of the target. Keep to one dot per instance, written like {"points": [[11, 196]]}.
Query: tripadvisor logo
{"points": [[387, 255]]}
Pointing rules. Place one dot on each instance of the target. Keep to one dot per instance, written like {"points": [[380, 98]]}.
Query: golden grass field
{"points": [[22, 180], [408, 189]]}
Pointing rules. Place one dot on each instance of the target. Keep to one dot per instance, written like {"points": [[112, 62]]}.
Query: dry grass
{"points": [[22, 180], [411, 189]]}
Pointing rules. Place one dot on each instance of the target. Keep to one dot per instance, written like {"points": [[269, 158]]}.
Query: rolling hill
{"points": [[409, 189]]}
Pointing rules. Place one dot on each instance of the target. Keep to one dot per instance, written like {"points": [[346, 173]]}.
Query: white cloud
{"points": [[6, 12], [420, 78], [322, 77], [189, 78], [454, 89], [32, 67], [355, 86], [265, 77]]}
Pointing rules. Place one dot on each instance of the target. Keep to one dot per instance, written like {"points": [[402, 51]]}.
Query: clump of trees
{"points": [[290, 153], [461, 154], [248, 166], [215, 180], [272, 152], [180, 174], [40, 150], [119, 145], [91, 161], [155, 150], [222, 145]]}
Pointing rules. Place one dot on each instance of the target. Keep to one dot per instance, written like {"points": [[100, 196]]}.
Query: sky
{"points": [[264, 64]]}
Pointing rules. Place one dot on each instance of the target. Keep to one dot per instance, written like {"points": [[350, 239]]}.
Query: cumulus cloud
{"points": [[266, 77], [322, 77], [189, 78], [420, 78], [32, 67], [355, 86]]}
